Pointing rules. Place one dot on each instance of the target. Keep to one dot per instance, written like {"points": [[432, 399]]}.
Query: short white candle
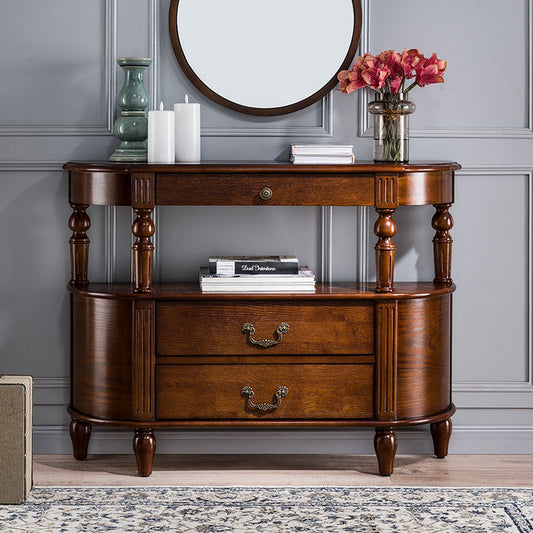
{"points": [[161, 132], [187, 131]]}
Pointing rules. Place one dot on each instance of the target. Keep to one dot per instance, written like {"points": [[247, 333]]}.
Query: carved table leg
{"points": [[143, 228], [385, 229], [442, 223], [144, 448], [79, 222], [441, 433], [80, 433], [385, 444]]}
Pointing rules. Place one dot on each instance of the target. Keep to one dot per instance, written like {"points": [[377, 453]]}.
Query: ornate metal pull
{"points": [[265, 343], [265, 193], [249, 393]]}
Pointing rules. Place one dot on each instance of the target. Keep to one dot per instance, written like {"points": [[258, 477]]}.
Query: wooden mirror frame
{"points": [[261, 111]]}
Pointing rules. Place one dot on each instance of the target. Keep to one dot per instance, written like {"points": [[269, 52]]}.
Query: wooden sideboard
{"points": [[165, 355]]}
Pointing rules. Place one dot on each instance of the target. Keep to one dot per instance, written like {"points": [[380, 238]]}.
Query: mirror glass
{"points": [[264, 57]]}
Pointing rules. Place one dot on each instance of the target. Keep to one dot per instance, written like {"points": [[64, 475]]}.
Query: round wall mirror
{"points": [[264, 57]]}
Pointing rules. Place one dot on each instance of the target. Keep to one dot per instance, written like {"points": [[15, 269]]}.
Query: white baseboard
{"points": [[465, 440]]}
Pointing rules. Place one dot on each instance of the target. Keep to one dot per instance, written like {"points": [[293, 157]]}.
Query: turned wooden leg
{"points": [[441, 433], [144, 448], [385, 229], [79, 222], [80, 433], [442, 223], [143, 228], [385, 444]]}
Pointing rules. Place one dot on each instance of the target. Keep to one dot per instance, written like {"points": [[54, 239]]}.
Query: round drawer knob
{"points": [[265, 193]]}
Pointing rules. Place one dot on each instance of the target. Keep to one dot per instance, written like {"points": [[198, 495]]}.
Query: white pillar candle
{"points": [[161, 132], [187, 131]]}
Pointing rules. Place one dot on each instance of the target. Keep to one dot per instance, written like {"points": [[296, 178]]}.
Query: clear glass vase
{"points": [[391, 127]]}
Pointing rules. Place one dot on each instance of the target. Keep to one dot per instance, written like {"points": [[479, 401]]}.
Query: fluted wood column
{"points": [[143, 202], [386, 202]]}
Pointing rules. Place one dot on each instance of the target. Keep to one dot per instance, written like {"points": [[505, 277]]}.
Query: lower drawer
{"points": [[314, 391]]}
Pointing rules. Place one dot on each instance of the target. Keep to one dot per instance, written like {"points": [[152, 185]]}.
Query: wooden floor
{"points": [[286, 470]]}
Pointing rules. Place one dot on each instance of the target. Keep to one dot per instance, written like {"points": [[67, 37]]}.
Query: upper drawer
{"points": [[216, 328], [237, 189]]}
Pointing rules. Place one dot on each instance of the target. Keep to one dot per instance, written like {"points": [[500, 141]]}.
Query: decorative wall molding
{"points": [[363, 244], [109, 99], [154, 38], [110, 65], [156, 274], [506, 387], [324, 129], [31, 166], [326, 250], [416, 440], [365, 130], [51, 391], [110, 244], [490, 398]]}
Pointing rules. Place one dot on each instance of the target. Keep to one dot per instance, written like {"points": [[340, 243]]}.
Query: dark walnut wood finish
{"points": [[150, 356], [215, 328], [80, 434]]}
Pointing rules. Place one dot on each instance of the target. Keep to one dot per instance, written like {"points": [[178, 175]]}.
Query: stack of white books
{"points": [[265, 274], [322, 154]]}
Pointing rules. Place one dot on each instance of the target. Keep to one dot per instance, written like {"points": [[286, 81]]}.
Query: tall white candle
{"points": [[187, 131], [161, 132]]}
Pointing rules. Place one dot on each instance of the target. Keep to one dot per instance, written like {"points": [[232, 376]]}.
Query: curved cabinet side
{"points": [[100, 188], [425, 188], [424, 356], [101, 357]]}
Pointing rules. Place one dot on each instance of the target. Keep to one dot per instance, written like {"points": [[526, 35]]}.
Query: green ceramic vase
{"points": [[132, 125]]}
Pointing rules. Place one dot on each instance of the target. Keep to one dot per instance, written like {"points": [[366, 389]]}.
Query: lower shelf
{"points": [[324, 291]]}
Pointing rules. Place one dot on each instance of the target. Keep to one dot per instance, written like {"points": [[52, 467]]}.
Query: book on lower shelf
{"points": [[304, 281], [253, 265]]}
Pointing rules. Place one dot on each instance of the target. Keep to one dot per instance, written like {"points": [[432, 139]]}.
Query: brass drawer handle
{"points": [[249, 393], [265, 343], [265, 193]]}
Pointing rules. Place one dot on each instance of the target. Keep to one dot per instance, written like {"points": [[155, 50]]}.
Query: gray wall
{"points": [[58, 93]]}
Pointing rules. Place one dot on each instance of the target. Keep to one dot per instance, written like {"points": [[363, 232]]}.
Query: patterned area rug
{"points": [[271, 510]]}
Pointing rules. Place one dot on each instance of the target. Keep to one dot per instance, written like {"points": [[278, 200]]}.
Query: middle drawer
{"points": [[216, 328]]}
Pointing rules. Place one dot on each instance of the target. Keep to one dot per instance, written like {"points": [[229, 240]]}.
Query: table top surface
{"points": [[260, 166]]}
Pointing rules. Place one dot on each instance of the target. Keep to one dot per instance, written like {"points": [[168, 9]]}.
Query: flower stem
{"points": [[412, 86]]}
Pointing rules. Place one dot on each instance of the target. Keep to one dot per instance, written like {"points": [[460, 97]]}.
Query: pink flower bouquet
{"points": [[389, 75]]}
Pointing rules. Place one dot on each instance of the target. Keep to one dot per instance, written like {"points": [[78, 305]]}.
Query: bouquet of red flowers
{"points": [[388, 72], [389, 75]]}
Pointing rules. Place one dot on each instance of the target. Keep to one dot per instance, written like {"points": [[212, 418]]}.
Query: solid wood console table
{"points": [[166, 355]]}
